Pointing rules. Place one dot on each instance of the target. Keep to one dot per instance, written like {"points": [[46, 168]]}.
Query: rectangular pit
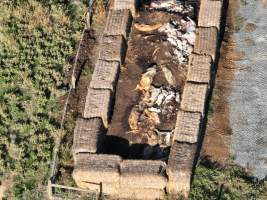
{"points": [[156, 68], [146, 139]]}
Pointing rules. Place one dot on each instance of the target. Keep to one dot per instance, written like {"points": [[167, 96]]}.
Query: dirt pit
{"points": [[152, 79]]}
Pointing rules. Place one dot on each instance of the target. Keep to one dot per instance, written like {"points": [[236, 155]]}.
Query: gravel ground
{"points": [[248, 99]]}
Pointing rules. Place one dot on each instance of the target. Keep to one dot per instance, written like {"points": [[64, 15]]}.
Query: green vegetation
{"points": [[244, 2], [214, 99], [37, 39], [239, 23], [229, 183]]}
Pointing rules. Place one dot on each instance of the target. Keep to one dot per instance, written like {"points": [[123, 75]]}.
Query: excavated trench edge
{"points": [[144, 179]]}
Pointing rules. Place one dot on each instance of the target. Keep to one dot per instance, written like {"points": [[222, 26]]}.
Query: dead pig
{"points": [[181, 35], [147, 79], [173, 6]]}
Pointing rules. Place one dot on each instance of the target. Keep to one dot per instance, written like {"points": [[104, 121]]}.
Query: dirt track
{"points": [[217, 138]]}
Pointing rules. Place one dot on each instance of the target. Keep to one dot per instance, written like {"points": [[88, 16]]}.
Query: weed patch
{"points": [[230, 182], [37, 40]]}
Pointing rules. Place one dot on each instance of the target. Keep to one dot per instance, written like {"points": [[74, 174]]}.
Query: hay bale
{"points": [[142, 167], [105, 75], [140, 194], [96, 168], [181, 159], [180, 165], [187, 128], [210, 13], [199, 69], [88, 136], [89, 186], [111, 189], [125, 4], [194, 97], [118, 23], [112, 48], [98, 104], [181, 186], [206, 42], [143, 174]]}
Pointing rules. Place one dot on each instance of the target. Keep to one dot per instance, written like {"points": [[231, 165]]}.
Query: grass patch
{"points": [[214, 99], [212, 182], [37, 39], [239, 23]]}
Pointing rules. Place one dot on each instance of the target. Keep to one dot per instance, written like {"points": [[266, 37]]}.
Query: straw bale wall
{"points": [[112, 48], [98, 104], [96, 168], [187, 128], [199, 69], [206, 41], [125, 4], [194, 97], [143, 174], [210, 13], [189, 122], [105, 75], [118, 23], [144, 179], [88, 136]]}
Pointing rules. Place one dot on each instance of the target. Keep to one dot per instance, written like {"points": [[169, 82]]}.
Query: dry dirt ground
{"points": [[216, 144]]}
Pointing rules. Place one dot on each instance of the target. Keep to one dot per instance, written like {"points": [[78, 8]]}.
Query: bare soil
{"points": [[84, 69], [86, 62], [216, 144], [250, 27]]}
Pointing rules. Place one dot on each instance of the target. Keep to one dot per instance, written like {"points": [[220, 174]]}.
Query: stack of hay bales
{"points": [[143, 179], [187, 134], [90, 130], [130, 179], [91, 170]]}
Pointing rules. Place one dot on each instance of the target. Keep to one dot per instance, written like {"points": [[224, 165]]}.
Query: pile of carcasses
{"points": [[174, 6], [156, 103], [160, 99], [181, 36]]}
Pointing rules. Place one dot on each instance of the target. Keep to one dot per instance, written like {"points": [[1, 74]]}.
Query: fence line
{"points": [[58, 140]]}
